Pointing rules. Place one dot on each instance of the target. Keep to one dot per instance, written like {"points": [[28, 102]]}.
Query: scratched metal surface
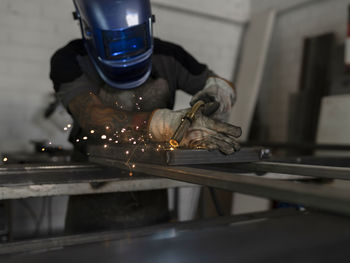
{"points": [[308, 237]]}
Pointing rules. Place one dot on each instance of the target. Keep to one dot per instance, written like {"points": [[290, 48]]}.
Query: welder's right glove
{"points": [[204, 132]]}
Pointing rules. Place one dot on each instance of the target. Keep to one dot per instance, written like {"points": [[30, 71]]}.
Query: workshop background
{"points": [[215, 32]]}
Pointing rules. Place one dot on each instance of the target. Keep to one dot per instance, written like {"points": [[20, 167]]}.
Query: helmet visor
{"points": [[126, 43]]}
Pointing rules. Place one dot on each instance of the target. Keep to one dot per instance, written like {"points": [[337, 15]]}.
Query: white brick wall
{"points": [[31, 30], [211, 33], [284, 61]]}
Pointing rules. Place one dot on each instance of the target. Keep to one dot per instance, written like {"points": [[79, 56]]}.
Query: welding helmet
{"points": [[117, 35]]}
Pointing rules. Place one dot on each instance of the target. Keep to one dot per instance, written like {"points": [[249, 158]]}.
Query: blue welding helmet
{"points": [[117, 35]]}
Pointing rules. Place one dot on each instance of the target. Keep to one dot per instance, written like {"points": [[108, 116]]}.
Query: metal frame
{"points": [[321, 196]]}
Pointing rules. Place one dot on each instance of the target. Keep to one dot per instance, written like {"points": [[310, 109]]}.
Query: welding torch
{"points": [[186, 122]]}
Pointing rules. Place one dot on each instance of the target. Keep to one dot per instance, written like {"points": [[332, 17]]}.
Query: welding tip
{"points": [[185, 124]]}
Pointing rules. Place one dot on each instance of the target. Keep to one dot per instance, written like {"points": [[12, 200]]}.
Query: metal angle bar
{"points": [[38, 174], [324, 197], [319, 171], [158, 155], [152, 183]]}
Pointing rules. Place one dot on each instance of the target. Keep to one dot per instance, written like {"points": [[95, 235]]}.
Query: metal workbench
{"points": [[276, 236]]}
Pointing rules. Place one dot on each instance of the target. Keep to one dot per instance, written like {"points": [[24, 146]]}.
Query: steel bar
{"points": [[159, 155], [16, 192], [23, 181], [298, 146], [324, 197], [318, 171]]}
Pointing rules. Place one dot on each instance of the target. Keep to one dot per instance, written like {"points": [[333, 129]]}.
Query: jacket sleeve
{"points": [[181, 68], [67, 75]]}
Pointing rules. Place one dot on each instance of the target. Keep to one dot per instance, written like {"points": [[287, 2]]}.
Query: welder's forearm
{"points": [[92, 115]]}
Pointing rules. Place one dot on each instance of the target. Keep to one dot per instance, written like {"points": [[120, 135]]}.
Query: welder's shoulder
{"points": [[64, 64], [179, 55]]}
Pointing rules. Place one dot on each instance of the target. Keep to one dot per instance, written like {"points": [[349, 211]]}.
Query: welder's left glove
{"points": [[219, 97]]}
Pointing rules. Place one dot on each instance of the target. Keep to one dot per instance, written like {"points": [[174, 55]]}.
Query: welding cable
{"points": [[215, 201]]}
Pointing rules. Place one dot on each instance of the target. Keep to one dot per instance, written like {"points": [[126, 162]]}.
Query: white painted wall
{"points": [[296, 20]]}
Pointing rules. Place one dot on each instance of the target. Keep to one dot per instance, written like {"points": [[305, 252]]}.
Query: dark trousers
{"points": [[100, 212]]}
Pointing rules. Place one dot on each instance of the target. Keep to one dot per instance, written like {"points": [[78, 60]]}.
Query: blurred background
{"points": [[288, 59]]}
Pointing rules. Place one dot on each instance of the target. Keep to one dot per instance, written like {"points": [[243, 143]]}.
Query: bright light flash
{"points": [[85, 138], [132, 18], [5, 159], [92, 131], [103, 137]]}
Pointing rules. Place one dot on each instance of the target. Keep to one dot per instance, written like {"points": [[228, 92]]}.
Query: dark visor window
{"points": [[127, 43]]}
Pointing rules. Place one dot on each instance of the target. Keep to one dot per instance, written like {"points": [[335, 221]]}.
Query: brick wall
{"points": [[31, 30]]}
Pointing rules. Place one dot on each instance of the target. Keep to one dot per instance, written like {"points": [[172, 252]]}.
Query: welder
{"points": [[119, 79]]}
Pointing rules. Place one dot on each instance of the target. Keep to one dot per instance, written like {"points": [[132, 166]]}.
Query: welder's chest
{"points": [[153, 94]]}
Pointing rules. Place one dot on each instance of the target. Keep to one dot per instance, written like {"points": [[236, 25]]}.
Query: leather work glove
{"points": [[204, 132], [219, 97]]}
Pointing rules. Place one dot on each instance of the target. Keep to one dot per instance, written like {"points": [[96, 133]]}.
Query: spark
{"points": [[65, 128], [142, 150], [127, 152], [92, 131], [69, 125], [116, 141], [134, 142], [123, 130], [133, 166], [172, 148], [140, 98], [130, 174], [137, 127], [107, 127], [103, 137], [50, 143], [5, 159], [110, 139], [85, 138], [77, 140], [105, 146], [43, 149]]}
